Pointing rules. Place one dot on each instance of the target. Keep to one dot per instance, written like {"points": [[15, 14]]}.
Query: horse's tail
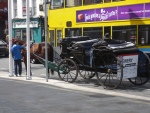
{"points": [[50, 56]]}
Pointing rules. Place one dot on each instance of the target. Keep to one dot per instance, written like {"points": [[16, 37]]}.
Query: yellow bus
{"points": [[123, 19]]}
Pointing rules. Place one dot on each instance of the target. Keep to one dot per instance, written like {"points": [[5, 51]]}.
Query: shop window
{"points": [[93, 33], [56, 4], [144, 34], [70, 32], [70, 3], [127, 33], [18, 34], [21, 34]]}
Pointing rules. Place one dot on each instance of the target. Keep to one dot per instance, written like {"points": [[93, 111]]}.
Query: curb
{"points": [[72, 86]]}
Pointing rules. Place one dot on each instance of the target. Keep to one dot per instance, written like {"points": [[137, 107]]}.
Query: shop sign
{"points": [[33, 24], [114, 13]]}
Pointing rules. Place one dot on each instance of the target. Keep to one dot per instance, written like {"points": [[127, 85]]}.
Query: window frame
{"points": [[24, 6], [15, 8]]}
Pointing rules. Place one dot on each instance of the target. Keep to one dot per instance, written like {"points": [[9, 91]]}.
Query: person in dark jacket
{"points": [[16, 52]]}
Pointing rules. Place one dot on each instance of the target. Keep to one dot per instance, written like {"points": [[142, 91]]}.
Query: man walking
{"points": [[16, 52]]}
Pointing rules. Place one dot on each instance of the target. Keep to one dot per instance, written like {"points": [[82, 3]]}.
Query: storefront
{"points": [[36, 29]]}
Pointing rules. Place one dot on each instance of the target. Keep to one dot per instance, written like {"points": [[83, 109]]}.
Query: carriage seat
{"points": [[113, 44], [121, 46], [84, 48]]}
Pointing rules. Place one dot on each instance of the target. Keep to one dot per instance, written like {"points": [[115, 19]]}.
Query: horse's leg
{"points": [[25, 63], [48, 73], [25, 67]]}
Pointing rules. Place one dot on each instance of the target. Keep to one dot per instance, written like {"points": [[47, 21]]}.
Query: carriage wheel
{"points": [[109, 71], [86, 74], [67, 70], [143, 71]]}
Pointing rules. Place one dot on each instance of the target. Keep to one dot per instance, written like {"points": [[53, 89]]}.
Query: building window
{"points": [[70, 3], [24, 7], [34, 7], [15, 8], [56, 4]]}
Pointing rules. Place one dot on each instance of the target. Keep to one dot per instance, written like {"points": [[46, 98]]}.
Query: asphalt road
{"points": [[83, 96], [27, 97]]}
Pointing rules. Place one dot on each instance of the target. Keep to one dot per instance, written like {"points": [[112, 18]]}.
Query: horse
{"points": [[36, 49]]}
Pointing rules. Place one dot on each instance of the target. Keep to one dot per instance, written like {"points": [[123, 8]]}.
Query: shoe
{"points": [[19, 75], [15, 75]]}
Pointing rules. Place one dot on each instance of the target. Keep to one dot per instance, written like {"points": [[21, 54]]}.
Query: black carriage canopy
{"points": [[114, 45]]}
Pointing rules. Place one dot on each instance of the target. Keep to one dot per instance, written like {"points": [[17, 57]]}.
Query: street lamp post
{"points": [[28, 76], [10, 37], [45, 24]]}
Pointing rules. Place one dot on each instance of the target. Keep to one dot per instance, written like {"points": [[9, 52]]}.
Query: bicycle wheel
{"points": [[67, 70], [86, 74], [109, 70], [143, 71]]}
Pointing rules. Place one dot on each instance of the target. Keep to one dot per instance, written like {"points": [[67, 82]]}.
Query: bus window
{"points": [[127, 33], [144, 34]]}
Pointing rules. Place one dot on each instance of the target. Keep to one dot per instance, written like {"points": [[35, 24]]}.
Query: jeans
{"points": [[17, 63], [91, 56]]}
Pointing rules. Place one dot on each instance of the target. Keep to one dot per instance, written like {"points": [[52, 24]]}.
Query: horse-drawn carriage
{"points": [[109, 60]]}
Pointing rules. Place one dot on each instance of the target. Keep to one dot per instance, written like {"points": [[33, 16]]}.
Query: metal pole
{"points": [[10, 37], [46, 55], [28, 76]]}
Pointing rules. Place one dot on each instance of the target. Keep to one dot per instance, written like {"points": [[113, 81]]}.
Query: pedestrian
{"points": [[16, 52]]}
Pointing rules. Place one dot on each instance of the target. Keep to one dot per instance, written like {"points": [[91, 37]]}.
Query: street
{"points": [[18, 95]]}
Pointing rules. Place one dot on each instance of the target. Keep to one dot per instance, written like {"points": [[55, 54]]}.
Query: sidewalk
{"points": [[74, 86]]}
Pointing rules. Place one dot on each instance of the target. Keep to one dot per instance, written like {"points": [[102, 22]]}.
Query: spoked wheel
{"points": [[109, 71], [86, 74], [143, 71], [67, 70]]}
